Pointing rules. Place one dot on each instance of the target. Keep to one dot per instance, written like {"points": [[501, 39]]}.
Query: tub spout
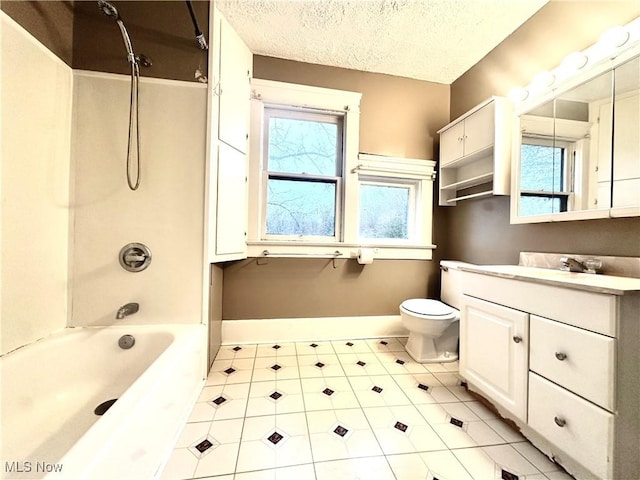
{"points": [[126, 310]]}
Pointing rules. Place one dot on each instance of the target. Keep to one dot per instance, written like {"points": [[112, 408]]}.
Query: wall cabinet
{"points": [[229, 97], [475, 150], [572, 394]]}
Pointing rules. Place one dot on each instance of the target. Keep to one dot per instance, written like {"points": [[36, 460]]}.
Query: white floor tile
{"points": [[456, 385], [316, 366], [274, 397], [315, 348], [221, 461], [424, 388], [341, 434], [297, 472], [289, 445], [386, 345], [342, 347], [361, 364], [442, 367], [275, 368], [505, 431], [236, 351], [221, 402], [378, 391], [227, 371], [372, 468], [328, 394], [401, 429], [536, 457], [489, 462], [276, 350], [400, 363], [442, 465]]}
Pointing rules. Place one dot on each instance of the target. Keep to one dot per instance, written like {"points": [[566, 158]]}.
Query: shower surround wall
{"points": [[165, 213]]}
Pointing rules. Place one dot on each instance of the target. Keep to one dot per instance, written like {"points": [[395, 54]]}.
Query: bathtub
{"points": [[51, 388]]}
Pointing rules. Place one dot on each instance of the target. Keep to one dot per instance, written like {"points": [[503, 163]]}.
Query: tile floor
{"points": [[345, 410]]}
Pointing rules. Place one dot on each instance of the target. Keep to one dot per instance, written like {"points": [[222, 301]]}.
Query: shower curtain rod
{"points": [[202, 42]]}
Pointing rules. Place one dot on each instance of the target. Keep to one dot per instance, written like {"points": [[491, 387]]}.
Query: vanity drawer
{"points": [[579, 360], [581, 429]]}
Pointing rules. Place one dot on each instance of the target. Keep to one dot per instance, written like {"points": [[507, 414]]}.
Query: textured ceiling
{"points": [[433, 40]]}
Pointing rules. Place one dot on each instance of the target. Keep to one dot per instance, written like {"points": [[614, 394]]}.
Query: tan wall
{"points": [[36, 127], [398, 116], [479, 231]]}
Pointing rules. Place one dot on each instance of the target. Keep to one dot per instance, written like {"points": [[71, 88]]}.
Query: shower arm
{"points": [[202, 42]]}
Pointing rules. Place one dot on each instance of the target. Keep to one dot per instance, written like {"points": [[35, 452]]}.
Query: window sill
{"points": [[295, 249]]}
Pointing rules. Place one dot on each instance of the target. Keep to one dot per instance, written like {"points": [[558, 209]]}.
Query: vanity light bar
{"points": [[606, 48]]}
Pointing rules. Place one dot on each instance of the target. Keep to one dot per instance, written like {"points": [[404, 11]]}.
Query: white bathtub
{"points": [[51, 388]]}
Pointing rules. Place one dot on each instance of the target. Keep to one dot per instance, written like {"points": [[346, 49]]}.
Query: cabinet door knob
{"points": [[561, 422], [517, 338], [561, 356]]}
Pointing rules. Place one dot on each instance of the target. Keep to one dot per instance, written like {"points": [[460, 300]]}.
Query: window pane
{"points": [[301, 208], [539, 170], [303, 146], [384, 211], [539, 205]]}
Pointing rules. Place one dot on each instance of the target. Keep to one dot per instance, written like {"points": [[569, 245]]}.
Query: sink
{"points": [[535, 272]]}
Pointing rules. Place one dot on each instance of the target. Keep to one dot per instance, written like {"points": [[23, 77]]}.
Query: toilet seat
{"points": [[426, 307]]}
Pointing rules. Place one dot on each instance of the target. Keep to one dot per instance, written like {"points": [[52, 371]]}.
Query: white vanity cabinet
{"points": [[572, 381], [475, 149], [494, 352]]}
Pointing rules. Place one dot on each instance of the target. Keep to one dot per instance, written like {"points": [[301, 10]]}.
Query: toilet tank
{"points": [[451, 282]]}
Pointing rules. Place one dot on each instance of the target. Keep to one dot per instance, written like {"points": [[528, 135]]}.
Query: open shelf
{"points": [[488, 193], [469, 182]]}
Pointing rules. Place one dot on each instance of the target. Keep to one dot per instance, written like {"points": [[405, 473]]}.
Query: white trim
{"points": [[152, 80], [316, 329]]}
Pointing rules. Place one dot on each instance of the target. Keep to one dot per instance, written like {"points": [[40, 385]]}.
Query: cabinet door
{"points": [[234, 90], [479, 130], [494, 352], [451, 141], [231, 208]]}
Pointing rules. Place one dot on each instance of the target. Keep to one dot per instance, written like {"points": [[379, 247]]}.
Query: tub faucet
{"points": [[572, 265], [128, 309]]}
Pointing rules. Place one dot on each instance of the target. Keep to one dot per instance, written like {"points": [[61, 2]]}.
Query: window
{"points": [[545, 176], [386, 209], [312, 194], [304, 160]]}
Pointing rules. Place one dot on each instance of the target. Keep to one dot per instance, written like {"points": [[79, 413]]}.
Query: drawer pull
{"points": [[517, 338], [561, 422], [561, 356]]}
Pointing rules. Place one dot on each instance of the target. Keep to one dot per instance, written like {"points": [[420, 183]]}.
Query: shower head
{"points": [[108, 9]]}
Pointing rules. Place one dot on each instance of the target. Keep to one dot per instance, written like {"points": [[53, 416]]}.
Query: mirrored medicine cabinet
{"points": [[577, 146]]}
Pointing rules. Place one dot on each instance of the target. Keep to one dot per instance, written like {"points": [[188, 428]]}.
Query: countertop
{"points": [[609, 284]]}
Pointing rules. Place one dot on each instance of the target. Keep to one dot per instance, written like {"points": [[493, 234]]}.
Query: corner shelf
{"points": [[475, 149]]}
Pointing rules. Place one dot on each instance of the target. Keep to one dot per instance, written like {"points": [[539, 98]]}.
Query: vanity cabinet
{"points": [[494, 352], [475, 149], [572, 382]]}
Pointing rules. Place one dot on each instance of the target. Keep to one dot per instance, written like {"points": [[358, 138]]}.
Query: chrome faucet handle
{"points": [[572, 265]]}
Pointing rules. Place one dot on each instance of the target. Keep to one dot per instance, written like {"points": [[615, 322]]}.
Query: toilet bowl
{"points": [[433, 325], [433, 330]]}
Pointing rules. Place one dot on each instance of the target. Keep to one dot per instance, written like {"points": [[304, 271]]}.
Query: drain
{"points": [[126, 342], [104, 406]]}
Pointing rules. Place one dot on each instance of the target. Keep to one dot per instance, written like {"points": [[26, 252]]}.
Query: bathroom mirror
{"points": [[577, 146]]}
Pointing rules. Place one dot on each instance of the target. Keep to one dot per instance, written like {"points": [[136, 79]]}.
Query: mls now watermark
{"points": [[29, 466]]}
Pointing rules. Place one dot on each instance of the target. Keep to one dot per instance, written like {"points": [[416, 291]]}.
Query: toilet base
{"points": [[423, 349]]}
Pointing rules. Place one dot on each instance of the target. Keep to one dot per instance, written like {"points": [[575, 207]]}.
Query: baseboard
{"points": [[317, 329]]}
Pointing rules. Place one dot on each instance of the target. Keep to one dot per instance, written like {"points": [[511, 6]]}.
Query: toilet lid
{"points": [[427, 306]]}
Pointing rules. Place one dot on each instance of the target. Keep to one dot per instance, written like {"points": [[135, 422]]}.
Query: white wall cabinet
{"points": [[475, 149], [494, 352], [580, 348], [229, 105]]}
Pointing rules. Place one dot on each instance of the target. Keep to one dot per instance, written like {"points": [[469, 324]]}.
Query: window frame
{"points": [[271, 94]]}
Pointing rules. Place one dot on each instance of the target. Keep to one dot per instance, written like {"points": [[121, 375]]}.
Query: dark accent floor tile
{"points": [[219, 401], [314, 345], [203, 446], [361, 363], [275, 437], [400, 426], [424, 387], [377, 389], [276, 347], [400, 362], [319, 364], [505, 475], [340, 430], [456, 422], [275, 367], [349, 344], [382, 342], [236, 349], [229, 371], [328, 392], [275, 395]]}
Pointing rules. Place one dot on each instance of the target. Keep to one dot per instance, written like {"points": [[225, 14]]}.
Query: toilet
{"points": [[433, 324]]}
